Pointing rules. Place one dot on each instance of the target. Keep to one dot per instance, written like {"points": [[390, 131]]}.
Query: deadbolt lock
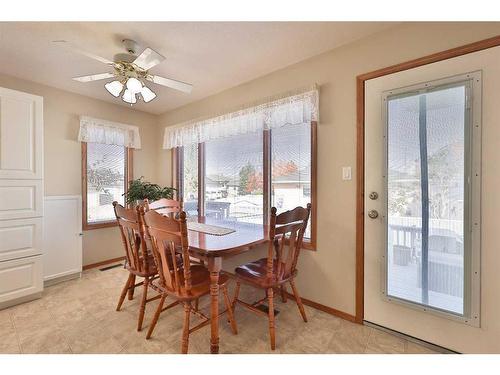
{"points": [[373, 214], [373, 195]]}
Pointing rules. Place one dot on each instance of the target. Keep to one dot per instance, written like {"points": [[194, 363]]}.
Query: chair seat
{"points": [[200, 283], [256, 273]]}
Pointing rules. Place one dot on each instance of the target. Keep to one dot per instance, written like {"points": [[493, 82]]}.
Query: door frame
{"points": [[360, 145]]}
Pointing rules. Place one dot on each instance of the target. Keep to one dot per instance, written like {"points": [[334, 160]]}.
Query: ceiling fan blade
{"points": [[172, 83], [73, 48], [94, 77], [148, 58]]}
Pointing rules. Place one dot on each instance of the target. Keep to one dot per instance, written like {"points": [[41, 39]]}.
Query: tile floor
{"points": [[79, 316]]}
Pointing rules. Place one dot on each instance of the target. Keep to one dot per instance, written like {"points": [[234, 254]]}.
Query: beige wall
{"points": [[328, 275], [62, 151]]}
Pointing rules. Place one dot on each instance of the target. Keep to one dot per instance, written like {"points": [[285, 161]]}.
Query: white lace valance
{"points": [[107, 132], [289, 109]]}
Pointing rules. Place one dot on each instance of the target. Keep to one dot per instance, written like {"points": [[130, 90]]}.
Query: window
{"points": [[242, 176], [105, 171], [430, 259], [234, 184], [189, 180], [291, 168]]}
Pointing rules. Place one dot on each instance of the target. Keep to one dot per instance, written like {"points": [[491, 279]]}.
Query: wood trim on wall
{"points": [[328, 310], [360, 144], [102, 263], [177, 161], [201, 179], [129, 175], [84, 184], [266, 178], [311, 244]]}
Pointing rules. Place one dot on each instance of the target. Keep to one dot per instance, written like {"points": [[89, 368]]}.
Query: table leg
{"points": [[214, 266]]}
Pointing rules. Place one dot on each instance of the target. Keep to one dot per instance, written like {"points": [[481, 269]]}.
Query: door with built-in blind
{"points": [[423, 219]]}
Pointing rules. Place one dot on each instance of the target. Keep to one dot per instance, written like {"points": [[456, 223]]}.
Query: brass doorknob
{"points": [[372, 214]]}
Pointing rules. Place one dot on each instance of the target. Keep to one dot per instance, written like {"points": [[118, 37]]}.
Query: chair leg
{"points": [[272, 331], [185, 329], [236, 294], [229, 310], [156, 316], [143, 304], [283, 293], [124, 292], [131, 288], [298, 300], [196, 304]]}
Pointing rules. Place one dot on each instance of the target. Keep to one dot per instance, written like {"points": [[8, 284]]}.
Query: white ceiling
{"points": [[213, 56]]}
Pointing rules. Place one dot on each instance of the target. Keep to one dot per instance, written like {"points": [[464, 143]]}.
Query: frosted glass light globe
{"points": [[129, 97], [134, 85], [147, 94], [114, 88]]}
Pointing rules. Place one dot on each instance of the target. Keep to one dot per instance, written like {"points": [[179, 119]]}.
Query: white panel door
{"points": [[414, 258], [21, 199], [20, 278], [62, 236], [20, 238], [21, 135]]}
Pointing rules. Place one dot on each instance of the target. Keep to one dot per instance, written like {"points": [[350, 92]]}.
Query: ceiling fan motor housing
{"points": [[131, 46], [125, 57]]}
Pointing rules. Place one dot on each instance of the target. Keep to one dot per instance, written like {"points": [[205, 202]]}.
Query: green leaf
{"points": [[140, 190]]}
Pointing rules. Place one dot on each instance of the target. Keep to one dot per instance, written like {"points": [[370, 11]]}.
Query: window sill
{"points": [[306, 244], [105, 224], [309, 245]]}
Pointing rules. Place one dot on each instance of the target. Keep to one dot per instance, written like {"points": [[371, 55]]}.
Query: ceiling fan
{"points": [[130, 72]]}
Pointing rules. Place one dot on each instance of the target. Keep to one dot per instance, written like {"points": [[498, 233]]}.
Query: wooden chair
{"points": [[286, 232], [164, 206], [186, 283], [139, 262], [167, 207]]}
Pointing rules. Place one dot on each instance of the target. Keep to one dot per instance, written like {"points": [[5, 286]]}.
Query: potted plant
{"points": [[139, 190]]}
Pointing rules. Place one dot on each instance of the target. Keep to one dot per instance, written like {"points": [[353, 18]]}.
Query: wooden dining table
{"points": [[212, 249]]}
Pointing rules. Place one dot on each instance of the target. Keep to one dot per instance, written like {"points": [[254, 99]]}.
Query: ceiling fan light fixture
{"points": [[134, 85], [130, 73], [129, 97], [147, 94], [114, 88]]}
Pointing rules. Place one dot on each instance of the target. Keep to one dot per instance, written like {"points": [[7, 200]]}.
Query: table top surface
{"points": [[244, 237]]}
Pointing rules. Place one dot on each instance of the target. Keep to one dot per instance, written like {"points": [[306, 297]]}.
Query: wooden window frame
{"points": [[177, 170], [128, 176]]}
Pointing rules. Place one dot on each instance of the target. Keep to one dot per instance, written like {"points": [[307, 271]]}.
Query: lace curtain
{"points": [[289, 109], [107, 132]]}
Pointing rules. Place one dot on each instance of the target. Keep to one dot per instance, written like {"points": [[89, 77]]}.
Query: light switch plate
{"points": [[346, 173]]}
